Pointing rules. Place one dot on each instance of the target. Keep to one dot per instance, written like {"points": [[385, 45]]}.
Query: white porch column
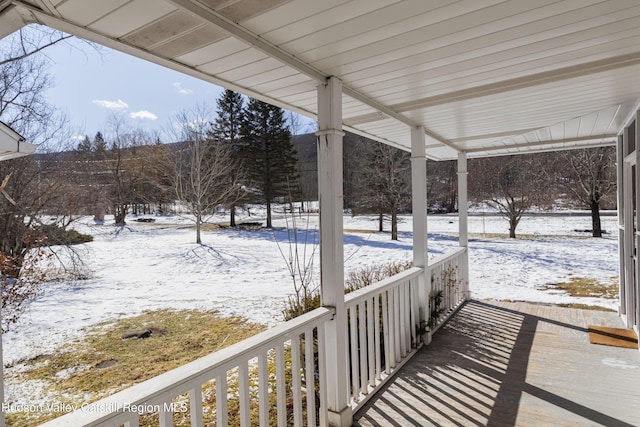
{"points": [[633, 294], [419, 214], [463, 220], [620, 155], [332, 248]]}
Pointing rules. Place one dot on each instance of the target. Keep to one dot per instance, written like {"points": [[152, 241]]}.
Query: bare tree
{"points": [[384, 182], [589, 177], [511, 184], [207, 174], [32, 186], [442, 181], [127, 158], [30, 41]]}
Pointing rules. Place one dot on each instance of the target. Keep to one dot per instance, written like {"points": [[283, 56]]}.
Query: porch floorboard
{"points": [[513, 364]]}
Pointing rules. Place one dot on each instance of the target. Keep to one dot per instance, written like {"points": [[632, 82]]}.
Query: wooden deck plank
{"points": [[513, 364]]}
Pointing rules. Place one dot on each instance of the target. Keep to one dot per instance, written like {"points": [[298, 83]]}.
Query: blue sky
{"points": [[92, 86]]}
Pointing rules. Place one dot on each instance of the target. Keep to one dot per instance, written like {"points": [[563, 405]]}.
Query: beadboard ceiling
{"points": [[485, 77]]}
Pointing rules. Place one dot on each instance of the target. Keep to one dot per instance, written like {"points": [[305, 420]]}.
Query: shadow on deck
{"points": [[513, 364]]}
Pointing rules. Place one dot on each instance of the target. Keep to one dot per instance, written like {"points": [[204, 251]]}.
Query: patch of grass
{"points": [[569, 305], [359, 230], [585, 287], [103, 362], [586, 307]]}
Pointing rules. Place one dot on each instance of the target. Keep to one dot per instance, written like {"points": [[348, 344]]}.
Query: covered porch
{"points": [[503, 363], [443, 80]]}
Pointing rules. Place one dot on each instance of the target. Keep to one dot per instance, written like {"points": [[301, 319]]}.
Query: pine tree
{"points": [[99, 144], [227, 129], [85, 145], [268, 153]]}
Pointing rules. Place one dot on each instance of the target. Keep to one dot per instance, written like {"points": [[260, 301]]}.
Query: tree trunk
{"points": [[381, 221], [394, 224], [596, 225], [120, 213], [268, 213], [198, 222], [232, 216], [513, 223]]}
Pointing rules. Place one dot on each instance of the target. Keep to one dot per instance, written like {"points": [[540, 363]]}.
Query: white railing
{"points": [[273, 378], [278, 377], [383, 320], [449, 286]]}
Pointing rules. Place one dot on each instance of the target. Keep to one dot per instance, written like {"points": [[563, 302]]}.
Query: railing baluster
{"points": [[407, 316], [222, 412], [413, 293], [322, 371], [376, 335], [263, 389], [243, 392], [195, 407], [362, 346], [371, 359], [398, 338], [393, 343], [354, 352], [296, 383], [386, 334], [281, 386], [403, 323], [309, 377], [165, 414]]}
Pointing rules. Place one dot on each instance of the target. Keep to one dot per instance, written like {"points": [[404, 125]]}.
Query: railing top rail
{"points": [[187, 376], [441, 259], [362, 294]]}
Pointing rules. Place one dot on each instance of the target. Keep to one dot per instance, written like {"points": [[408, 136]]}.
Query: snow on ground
{"points": [[147, 266]]}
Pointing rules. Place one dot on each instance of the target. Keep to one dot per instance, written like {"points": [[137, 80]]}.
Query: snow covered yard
{"points": [[148, 266]]}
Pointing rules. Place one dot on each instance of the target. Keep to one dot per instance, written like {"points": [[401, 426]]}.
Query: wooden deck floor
{"points": [[513, 364]]}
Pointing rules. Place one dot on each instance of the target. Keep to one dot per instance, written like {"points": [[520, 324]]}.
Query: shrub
{"points": [[57, 235], [301, 303]]}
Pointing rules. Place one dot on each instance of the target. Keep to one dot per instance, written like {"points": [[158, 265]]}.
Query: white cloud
{"points": [[112, 105], [143, 114], [182, 91]]}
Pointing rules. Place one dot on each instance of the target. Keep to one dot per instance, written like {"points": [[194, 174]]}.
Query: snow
{"points": [[148, 266]]}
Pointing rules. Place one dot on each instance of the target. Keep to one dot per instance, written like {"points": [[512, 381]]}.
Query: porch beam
{"points": [[330, 192], [419, 215], [463, 220], [10, 19]]}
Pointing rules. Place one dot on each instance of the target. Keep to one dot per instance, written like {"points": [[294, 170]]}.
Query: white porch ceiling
{"points": [[488, 77]]}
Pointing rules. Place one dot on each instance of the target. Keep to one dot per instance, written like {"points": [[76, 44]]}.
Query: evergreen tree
{"points": [[85, 145], [268, 153], [227, 129], [99, 144]]}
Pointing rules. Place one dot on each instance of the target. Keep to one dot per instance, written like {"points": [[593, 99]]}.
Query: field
{"points": [[157, 265]]}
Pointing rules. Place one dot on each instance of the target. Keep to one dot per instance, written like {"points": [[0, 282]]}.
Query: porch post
{"points": [[332, 249], [419, 215], [621, 230], [634, 291], [463, 222]]}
